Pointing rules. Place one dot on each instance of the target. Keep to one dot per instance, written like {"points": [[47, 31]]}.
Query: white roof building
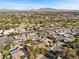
{"points": [[1, 31], [7, 32]]}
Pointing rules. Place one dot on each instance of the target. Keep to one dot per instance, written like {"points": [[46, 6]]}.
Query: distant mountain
{"points": [[42, 10], [46, 9], [11, 10], [51, 10], [39, 10], [5, 10]]}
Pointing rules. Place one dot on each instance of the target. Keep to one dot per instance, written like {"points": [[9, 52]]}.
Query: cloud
{"points": [[33, 4]]}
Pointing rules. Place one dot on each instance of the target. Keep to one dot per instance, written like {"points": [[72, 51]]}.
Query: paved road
{"points": [[5, 38]]}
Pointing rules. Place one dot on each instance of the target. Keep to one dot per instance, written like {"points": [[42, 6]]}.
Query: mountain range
{"points": [[39, 10]]}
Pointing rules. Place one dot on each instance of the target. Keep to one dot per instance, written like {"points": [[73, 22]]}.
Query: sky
{"points": [[36, 4]]}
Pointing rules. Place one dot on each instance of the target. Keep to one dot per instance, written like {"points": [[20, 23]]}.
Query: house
{"points": [[20, 30], [46, 42], [20, 37], [63, 30], [1, 31], [7, 32], [58, 37], [68, 38], [6, 38], [32, 35], [18, 52], [23, 37], [75, 31], [56, 46], [1, 57]]}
